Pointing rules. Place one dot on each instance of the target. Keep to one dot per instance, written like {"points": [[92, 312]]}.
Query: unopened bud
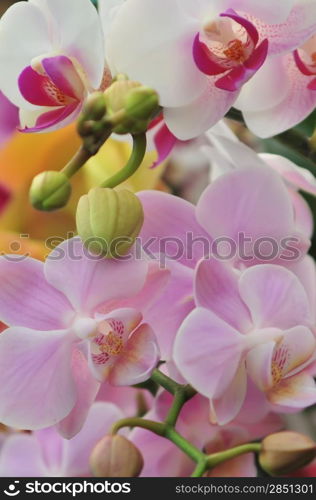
{"points": [[141, 103], [116, 456], [284, 452], [95, 107], [136, 103], [50, 191], [109, 221]]}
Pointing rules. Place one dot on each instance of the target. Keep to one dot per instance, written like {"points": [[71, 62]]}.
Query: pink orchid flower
{"points": [[69, 333], [199, 54], [60, 61], [226, 154], [163, 459], [287, 88], [235, 204], [256, 323], [45, 453]]}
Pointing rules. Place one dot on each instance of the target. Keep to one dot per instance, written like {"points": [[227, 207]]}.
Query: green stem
{"points": [[184, 445], [165, 381], [155, 427], [222, 456], [177, 404], [200, 468], [163, 430], [136, 158], [80, 158]]}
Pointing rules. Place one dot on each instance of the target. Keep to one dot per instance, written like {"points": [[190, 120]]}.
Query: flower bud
{"points": [[284, 452], [141, 103], [95, 107], [116, 456], [109, 221], [50, 190], [136, 103]]}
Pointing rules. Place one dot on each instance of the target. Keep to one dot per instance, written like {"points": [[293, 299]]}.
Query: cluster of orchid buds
{"points": [[167, 338]]}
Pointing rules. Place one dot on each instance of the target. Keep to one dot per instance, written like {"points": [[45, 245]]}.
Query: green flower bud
{"points": [[283, 452], [109, 221], [141, 103], [50, 191], [116, 456], [132, 105], [95, 107]]}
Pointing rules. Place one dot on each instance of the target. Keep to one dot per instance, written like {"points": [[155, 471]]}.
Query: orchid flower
{"points": [[235, 204], [199, 54], [68, 333], [60, 61], [226, 154], [287, 89], [45, 453], [257, 324]]}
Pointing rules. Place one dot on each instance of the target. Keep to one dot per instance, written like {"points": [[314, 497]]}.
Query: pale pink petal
{"points": [[259, 365], [72, 24], [21, 457], [162, 57], [297, 348], [169, 222], [126, 398], [27, 20], [26, 299], [264, 10], [305, 270], [227, 407], [138, 360], [303, 215], [87, 388], [76, 452], [37, 386], [89, 281], [197, 116], [207, 352], [157, 281], [169, 310], [275, 297], [216, 288], [243, 466], [51, 444], [293, 393], [237, 204], [296, 104], [286, 36]]}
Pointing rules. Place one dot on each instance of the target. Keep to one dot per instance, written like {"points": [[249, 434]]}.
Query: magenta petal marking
{"points": [[201, 55], [240, 75], [301, 65], [165, 141], [259, 55], [249, 27], [312, 85], [233, 80], [37, 89], [64, 75], [50, 118]]}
